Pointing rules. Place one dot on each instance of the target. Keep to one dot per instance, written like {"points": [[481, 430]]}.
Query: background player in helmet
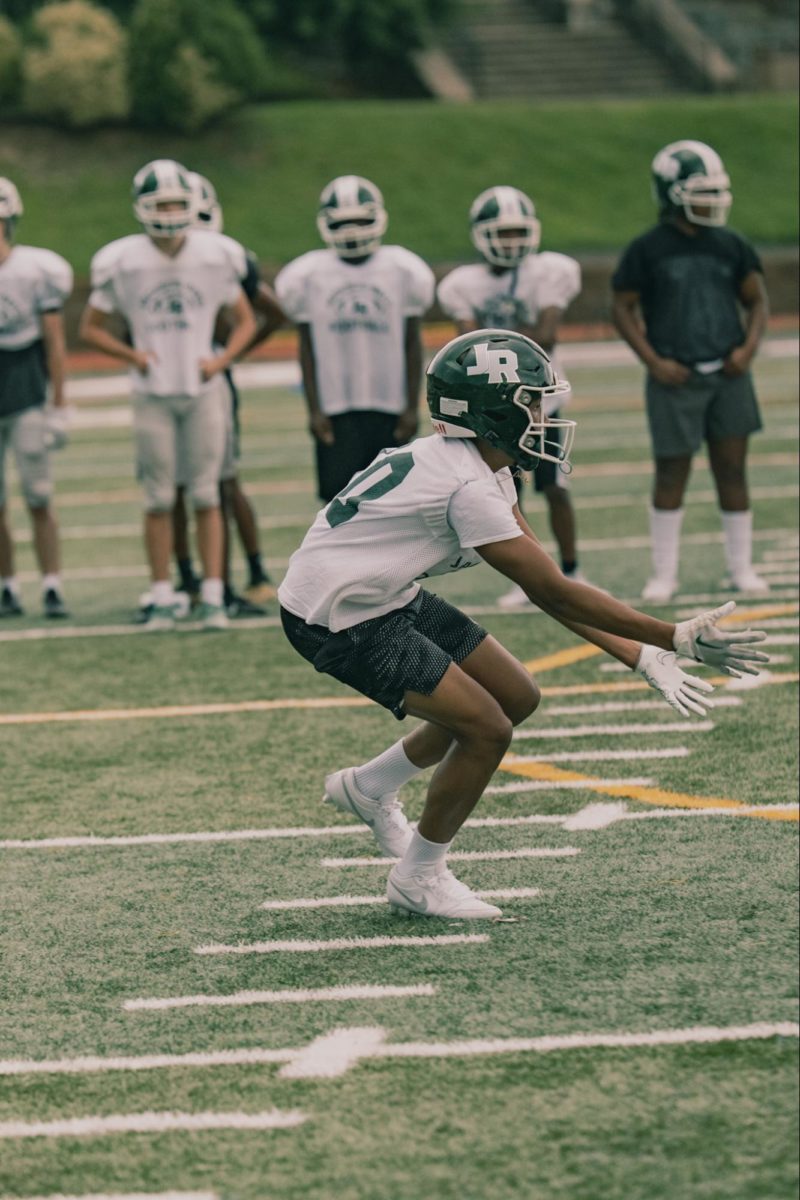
{"points": [[517, 288], [351, 605], [169, 284], [234, 502], [358, 306], [34, 284], [678, 290]]}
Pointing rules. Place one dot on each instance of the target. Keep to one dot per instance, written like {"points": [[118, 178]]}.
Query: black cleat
{"points": [[53, 604], [9, 604], [237, 606]]}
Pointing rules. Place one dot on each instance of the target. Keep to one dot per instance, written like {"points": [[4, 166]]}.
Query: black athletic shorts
{"points": [[359, 436], [408, 650]]}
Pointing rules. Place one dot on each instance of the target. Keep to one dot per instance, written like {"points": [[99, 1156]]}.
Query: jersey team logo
{"points": [[499, 365], [11, 316], [359, 306], [171, 299]]}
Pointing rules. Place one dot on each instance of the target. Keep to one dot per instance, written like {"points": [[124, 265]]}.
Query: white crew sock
{"points": [[665, 540], [52, 581], [162, 593], [12, 583], [386, 773], [738, 530], [211, 592], [422, 857]]}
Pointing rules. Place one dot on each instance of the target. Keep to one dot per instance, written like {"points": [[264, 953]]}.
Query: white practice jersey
{"points": [[511, 299], [416, 511], [32, 282], [169, 303], [357, 315]]}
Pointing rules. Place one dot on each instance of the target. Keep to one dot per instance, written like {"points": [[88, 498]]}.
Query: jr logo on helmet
{"points": [[499, 365]]}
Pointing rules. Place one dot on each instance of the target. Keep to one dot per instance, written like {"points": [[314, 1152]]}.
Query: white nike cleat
{"points": [[748, 581], [659, 591], [515, 598], [160, 619], [436, 895], [212, 617], [384, 814]]}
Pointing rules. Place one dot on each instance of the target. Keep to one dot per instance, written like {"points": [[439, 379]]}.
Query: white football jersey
{"points": [[32, 281], [416, 511], [169, 303], [511, 299], [357, 314]]}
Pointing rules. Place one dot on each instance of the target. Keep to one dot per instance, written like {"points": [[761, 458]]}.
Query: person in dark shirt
{"points": [[679, 291]]}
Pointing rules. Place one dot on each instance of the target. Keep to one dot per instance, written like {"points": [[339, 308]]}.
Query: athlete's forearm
{"points": [[55, 354], [103, 339], [626, 318], [413, 349], [623, 649]]}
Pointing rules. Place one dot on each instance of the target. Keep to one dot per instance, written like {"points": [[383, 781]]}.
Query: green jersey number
{"points": [[345, 506]]}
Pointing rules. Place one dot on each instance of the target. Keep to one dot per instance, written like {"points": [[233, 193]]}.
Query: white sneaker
{"points": [[212, 616], [515, 598], [748, 581], [384, 814], [659, 591], [160, 619], [436, 895]]}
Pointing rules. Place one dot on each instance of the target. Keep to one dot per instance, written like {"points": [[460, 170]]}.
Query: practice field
{"points": [[204, 994]]}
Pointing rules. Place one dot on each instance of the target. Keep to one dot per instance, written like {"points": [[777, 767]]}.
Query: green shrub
{"points": [[74, 69], [191, 60], [10, 61]]}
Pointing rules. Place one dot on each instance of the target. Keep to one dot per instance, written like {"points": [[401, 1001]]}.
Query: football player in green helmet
{"points": [[352, 604], [679, 293]]}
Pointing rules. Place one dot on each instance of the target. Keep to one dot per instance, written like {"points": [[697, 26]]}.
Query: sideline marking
{"points": [[362, 901], [363, 943], [459, 1049], [605, 706], [150, 1122], [462, 856], [593, 756], [576, 731], [366, 991], [646, 795]]}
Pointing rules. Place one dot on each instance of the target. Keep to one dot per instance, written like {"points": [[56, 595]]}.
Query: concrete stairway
{"points": [[517, 48]]}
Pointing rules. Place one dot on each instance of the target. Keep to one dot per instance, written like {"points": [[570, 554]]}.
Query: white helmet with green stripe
{"points": [[352, 218], [689, 178], [163, 198], [504, 226]]}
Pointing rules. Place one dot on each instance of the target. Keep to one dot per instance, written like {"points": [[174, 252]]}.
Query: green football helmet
{"points": [[10, 206], [504, 227], [352, 218], [156, 184], [688, 176], [490, 384], [207, 208]]}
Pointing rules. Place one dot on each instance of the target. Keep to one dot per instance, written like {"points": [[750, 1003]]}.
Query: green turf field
{"points": [[587, 168], [662, 918]]}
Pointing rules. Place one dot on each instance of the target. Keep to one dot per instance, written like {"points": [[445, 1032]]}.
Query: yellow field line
{"points": [[646, 795], [757, 614], [562, 658], [312, 702]]}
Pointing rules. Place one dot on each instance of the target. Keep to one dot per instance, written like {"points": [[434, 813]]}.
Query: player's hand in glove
{"points": [[57, 430], [701, 639], [686, 693]]}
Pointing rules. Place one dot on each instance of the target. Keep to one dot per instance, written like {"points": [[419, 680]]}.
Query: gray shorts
{"points": [[705, 408], [25, 435], [185, 434]]}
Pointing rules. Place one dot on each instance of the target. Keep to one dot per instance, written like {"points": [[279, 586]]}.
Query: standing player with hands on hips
{"points": [[352, 606]]}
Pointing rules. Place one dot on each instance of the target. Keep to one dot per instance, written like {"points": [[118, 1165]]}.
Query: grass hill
{"points": [[585, 166]]}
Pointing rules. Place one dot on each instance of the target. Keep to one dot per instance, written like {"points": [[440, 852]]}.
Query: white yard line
{"points": [[150, 1122], [781, 639], [463, 856], [457, 1049], [571, 756], [366, 991], [363, 943], [364, 901], [124, 1196], [606, 706], [333, 1054], [578, 731]]}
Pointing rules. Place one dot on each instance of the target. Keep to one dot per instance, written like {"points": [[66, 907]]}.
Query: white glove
{"points": [[687, 694], [701, 640], [56, 427]]}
